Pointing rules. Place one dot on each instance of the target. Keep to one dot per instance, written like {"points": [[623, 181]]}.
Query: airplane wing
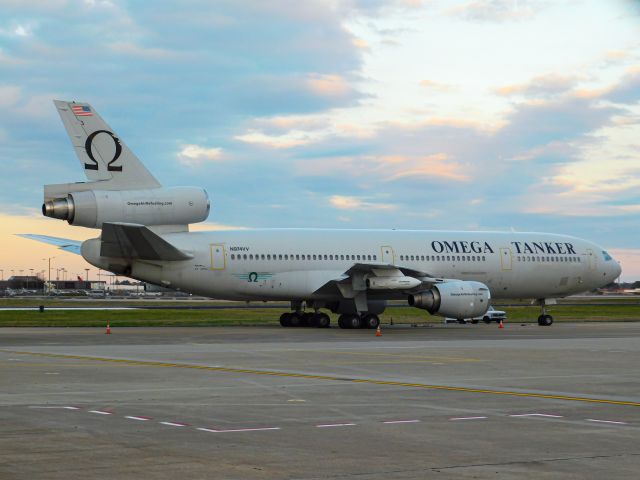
{"points": [[129, 240], [72, 246]]}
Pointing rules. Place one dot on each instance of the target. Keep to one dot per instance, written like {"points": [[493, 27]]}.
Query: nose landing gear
{"points": [[545, 320]]}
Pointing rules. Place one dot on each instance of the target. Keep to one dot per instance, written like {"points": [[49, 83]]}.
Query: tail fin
{"points": [[103, 156]]}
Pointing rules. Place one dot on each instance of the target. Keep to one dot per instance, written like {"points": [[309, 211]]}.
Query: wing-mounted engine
{"points": [[456, 299], [158, 206]]}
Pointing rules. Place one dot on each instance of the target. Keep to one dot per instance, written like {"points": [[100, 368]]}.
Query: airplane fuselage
{"points": [[277, 264]]}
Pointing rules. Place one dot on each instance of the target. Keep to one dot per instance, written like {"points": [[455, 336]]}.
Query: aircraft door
{"points": [[388, 255], [591, 259], [218, 260], [506, 259]]}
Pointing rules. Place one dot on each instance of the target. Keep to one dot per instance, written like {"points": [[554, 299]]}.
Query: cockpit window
{"points": [[607, 257]]}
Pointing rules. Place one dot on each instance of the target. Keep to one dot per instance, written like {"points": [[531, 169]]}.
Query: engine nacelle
{"points": [[392, 283], [158, 206], [456, 299]]}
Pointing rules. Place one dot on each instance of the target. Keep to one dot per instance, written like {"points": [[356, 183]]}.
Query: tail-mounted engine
{"points": [[158, 206], [456, 299]]}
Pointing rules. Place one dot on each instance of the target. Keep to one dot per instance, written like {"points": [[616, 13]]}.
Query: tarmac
{"points": [[456, 401]]}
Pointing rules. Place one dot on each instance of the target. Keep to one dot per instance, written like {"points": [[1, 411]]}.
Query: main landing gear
{"points": [[366, 320], [299, 319], [322, 320]]}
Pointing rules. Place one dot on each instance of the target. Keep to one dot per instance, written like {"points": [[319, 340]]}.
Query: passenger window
{"points": [[244, 256], [341, 257], [483, 258], [314, 257], [368, 257], [325, 257], [375, 257], [233, 256], [250, 256], [286, 257]]}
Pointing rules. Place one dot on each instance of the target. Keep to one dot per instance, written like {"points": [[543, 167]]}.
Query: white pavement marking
{"points": [[606, 421], [51, 373], [238, 430], [401, 421], [100, 412], [537, 415], [174, 424], [454, 419], [141, 419], [54, 407], [335, 425]]}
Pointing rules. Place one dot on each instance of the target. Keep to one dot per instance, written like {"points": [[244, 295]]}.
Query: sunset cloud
{"points": [[197, 155], [344, 202]]}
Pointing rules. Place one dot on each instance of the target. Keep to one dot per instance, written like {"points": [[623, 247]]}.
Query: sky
{"points": [[452, 115]]}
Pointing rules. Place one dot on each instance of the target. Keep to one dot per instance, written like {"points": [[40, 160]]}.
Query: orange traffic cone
{"points": [[108, 331], [501, 325], [378, 332]]}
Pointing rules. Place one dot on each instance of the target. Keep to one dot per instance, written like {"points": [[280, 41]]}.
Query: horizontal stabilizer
{"points": [[133, 241], [72, 246]]}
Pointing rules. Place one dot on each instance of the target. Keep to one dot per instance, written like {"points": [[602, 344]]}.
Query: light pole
{"points": [[86, 279], [49, 277]]}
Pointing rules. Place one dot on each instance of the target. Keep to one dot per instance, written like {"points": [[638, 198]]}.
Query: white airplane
{"points": [[145, 235]]}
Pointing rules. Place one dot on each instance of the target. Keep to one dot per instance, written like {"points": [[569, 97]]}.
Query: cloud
{"points": [[130, 48], [430, 166], [498, 10], [194, 155], [432, 85], [543, 85], [344, 202], [627, 90], [9, 95]]}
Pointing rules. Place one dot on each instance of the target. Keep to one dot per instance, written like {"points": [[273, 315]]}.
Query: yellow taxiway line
{"points": [[150, 363]]}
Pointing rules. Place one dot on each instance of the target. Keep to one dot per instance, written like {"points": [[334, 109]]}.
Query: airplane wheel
{"points": [[547, 320], [321, 320], [370, 321], [540, 321], [285, 319], [486, 320], [307, 319], [349, 321], [295, 320]]}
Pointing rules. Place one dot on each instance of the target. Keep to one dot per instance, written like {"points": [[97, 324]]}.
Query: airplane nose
{"points": [[617, 269]]}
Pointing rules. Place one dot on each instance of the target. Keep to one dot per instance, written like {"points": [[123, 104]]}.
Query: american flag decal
{"points": [[81, 111]]}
